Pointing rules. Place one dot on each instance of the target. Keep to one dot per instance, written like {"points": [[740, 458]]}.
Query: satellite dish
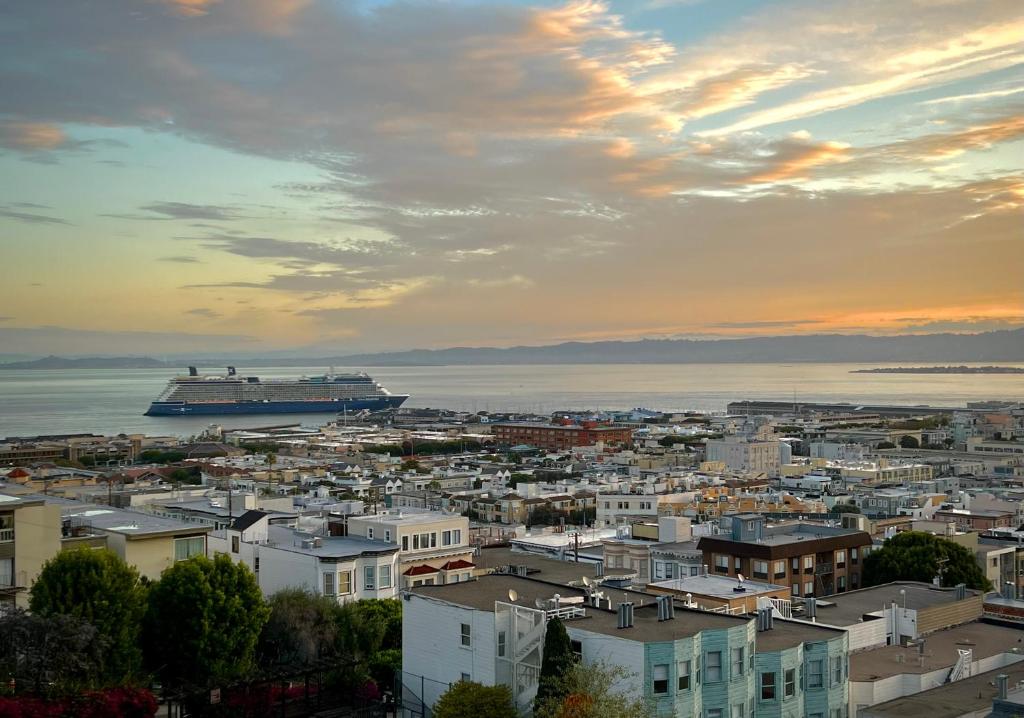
{"points": [[739, 577], [586, 581], [513, 595]]}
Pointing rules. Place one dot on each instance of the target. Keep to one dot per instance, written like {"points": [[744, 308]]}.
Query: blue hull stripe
{"points": [[178, 408]]}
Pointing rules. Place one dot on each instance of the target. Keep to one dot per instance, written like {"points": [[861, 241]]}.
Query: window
{"points": [[853, 556], [721, 563], [186, 548], [456, 536], [713, 666], [369, 576], [369, 532], [387, 535], [737, 710], [760, 569], [696, 674], [795, 564], [501, 644], [328, 584], [780, 569], [809, 588], [808, 564], [405, 543], [234, 544], [433, 540], [750, 655], [660, 679], [796, 589], [840, 559], [815, 674], [384, 576], [789, 684], [344, 583], [841, 584], [256, 564], [837, 670], [465, 634], [737, 663], [466, 677], [684, 675], [767, 686], [446, 538], [737, 563]]}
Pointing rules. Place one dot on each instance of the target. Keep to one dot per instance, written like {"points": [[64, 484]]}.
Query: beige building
{"points": [[433, 546], [746, 457], [29, 536], [149, 543]]}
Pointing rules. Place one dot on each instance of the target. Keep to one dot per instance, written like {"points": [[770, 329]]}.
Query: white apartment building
{"points": [[747, 457], [613, 509], [347, 568], [433, 545]]}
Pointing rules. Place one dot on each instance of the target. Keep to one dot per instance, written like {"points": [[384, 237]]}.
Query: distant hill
{"points": [[54, 362], [997, 346]]}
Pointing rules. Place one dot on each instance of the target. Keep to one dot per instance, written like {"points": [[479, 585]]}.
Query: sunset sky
{"points": [[219, 175]]}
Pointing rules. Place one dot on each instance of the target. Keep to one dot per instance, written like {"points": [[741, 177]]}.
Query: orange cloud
{"points": [[190, 8], [31, 136], [798, 163]]}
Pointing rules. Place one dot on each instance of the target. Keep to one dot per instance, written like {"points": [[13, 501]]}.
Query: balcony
{"points": [[6, 535], [822, 568]]}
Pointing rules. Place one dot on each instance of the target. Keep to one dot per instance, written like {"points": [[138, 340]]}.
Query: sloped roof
{"points": [[420, 571], [247, 519], [457, 564]]}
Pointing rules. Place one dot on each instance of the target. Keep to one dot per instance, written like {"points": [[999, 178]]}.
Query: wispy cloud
{"points": [[31, 218]]}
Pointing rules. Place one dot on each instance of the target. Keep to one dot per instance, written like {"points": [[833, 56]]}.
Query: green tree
{"points": [[99, 588], [557, 660], [301, 629], [844, 509], [885, 445], [909, 442], [467, 699], [918, 556], [270, 458], [51, 655], [589, 692], [202, 623]]}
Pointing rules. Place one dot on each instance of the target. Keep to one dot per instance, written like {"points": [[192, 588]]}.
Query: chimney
{"points": [[666, 608], [626, 614], [765, 619], [1001, 680], [810, 607], [705, 567]]}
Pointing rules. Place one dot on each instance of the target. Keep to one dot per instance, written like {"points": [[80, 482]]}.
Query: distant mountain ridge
{"points": [[995, 346]]}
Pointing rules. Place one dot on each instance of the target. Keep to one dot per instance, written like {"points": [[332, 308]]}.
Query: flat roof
{"points": [[543, 567], [940, 651], [845, 609], [123, 521], [973, 694], [482, 593], [336, 547], [717, 586], [407, 517], [787, 634]]}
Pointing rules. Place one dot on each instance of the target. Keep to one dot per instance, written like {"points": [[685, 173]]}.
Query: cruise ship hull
{"points": [[227, 408]]}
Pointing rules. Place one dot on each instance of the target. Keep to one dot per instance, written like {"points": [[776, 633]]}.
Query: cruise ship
{"points": [[198, 394]]}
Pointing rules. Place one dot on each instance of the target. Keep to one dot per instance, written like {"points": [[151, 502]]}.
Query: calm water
{"points": [[113, 400]]}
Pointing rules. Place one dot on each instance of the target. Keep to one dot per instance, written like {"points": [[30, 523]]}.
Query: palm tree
{"points": [[271, 458]]}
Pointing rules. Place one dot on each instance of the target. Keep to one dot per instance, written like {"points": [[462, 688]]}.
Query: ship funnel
{"points": [[192, 371], [231, 371]]}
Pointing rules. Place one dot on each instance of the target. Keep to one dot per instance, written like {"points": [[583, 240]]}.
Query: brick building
{"points": [[812, 559], [559, 437]]}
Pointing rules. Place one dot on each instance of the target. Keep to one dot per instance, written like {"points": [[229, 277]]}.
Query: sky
{"points": [[298, 175]]}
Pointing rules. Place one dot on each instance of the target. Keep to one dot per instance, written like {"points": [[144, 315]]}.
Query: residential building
{"points": [[812, 559], [344, 568], [745, 456], [434, 546], [684, 661], [560, 437], [30, 534]]}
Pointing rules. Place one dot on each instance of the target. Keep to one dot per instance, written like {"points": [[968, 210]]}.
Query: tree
{"points": [[301, 629], [916, 556], [202, 623], [467, 699], [99, 588], [558, 659], [270, 458], [909, 442], [885, 445], [844, 509], [51, 655], [589, 692]]}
